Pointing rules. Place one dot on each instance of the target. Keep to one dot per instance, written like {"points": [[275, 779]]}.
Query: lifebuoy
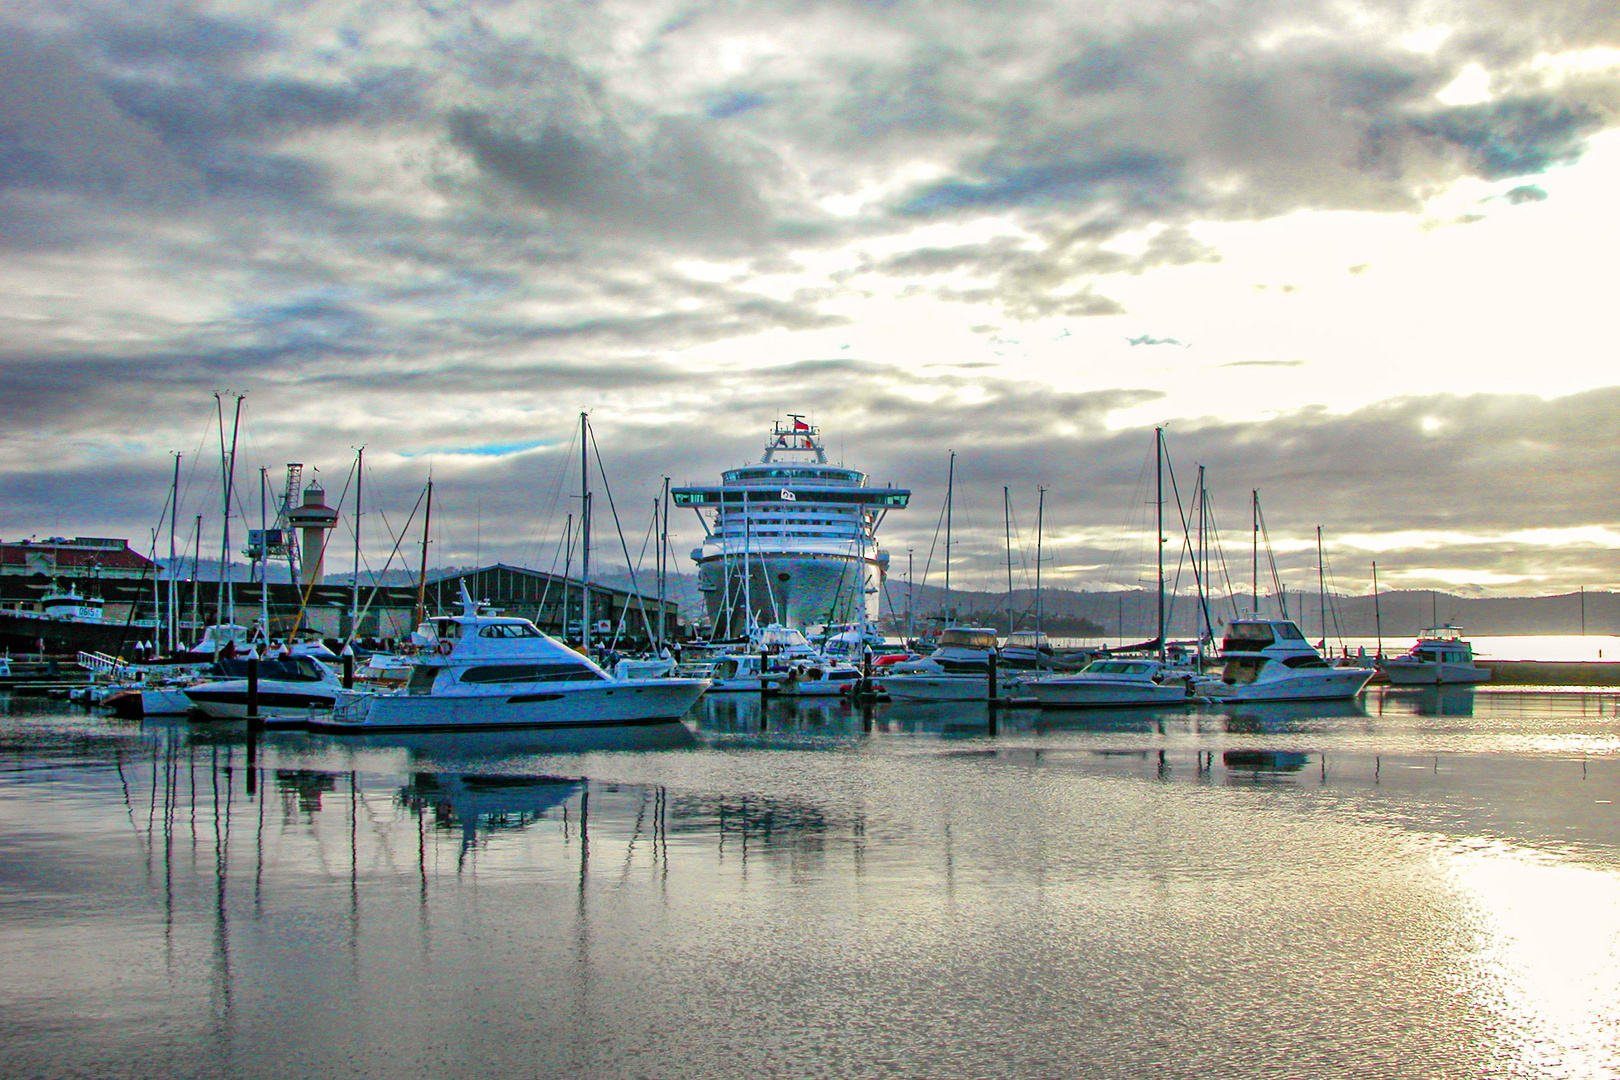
{"points": [[443, 648]]}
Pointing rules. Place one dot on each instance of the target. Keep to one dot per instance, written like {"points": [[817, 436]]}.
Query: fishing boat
{"points": [[1114, 682], [1271, 660], [1441, 655], [491, 671]]}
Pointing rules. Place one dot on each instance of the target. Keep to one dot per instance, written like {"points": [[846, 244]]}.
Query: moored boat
{"points": [[491, 671], [1270, 660], [1111, 682], [289, 687], [1440, 655]]}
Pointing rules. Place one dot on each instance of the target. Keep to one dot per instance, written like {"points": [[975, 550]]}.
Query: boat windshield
{"points": [[968, 639], [508, 630], [1248, 637]]}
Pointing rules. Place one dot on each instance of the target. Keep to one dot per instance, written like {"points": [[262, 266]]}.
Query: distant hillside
{"points": [[1131, 613]]}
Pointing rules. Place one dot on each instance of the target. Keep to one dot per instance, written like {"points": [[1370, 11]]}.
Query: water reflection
{"points": [[1185, 894], [1272, 717], [1432, 700], [468, 747]]}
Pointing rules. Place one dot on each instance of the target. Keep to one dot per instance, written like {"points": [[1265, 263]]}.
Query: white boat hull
{"points": [[1422, 674], [150, 701], [227, 700], [1320, 684], [922, 687], [594, 704], [1074, 693], [746, 684]]}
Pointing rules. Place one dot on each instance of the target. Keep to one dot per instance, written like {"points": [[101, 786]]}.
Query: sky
{"points": [[1353, 256]]}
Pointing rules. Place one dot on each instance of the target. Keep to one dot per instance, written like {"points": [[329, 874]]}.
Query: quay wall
{"points": [[1553, 672]]}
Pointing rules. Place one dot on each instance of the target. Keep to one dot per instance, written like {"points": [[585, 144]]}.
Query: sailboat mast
{"points": [[174, 592], [421, 577], [228, 592], [1006, 528], [568, 566], [1040, 524], [584, 536], [263, 549], [196, 590], [1254, 549], [1321, 588], [950, 484], [663, 567], [1378, 616], [1201, 560], [1158, 506], [359, 505]]}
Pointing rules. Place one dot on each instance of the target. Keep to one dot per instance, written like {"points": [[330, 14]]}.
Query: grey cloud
{"points": [[65, 132], [1513, 137], [1526, 193], [674, 182]]}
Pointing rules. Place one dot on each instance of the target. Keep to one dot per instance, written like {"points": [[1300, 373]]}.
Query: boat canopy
{"points": [[968, 637]]}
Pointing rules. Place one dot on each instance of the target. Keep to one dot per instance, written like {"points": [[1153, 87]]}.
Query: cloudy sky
{"points": [[1356, 256]]}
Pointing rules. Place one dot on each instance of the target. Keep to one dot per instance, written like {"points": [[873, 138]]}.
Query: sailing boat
{"points": [[1025, 650], [1115, 681]]}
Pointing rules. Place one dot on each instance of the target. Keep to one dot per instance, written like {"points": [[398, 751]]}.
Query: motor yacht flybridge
{"points": [[792, 539]]}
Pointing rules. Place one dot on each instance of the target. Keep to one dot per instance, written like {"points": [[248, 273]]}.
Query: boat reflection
{"points": [[479, 803], [1285, 717], [1255, 762], [450, 747], [1141, 720], [749, 713], [1432, 700]]}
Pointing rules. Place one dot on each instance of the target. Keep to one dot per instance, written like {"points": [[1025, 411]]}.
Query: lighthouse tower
{"points": [[314, 519]]}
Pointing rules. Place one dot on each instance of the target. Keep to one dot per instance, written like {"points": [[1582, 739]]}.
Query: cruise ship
{"points": [[791, 540]]}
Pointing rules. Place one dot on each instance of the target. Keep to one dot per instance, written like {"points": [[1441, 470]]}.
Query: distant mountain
{"points": [[1132, 613]]}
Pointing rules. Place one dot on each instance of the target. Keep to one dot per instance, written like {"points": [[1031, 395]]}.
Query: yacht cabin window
{"points": [[528, 673], [508, 630]]}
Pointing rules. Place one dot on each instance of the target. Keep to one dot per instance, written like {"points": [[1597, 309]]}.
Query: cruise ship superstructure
{"points": [[792, 539]]}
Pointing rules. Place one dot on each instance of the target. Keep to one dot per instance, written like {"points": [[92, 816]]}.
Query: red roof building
{"points": [[80, 557]]}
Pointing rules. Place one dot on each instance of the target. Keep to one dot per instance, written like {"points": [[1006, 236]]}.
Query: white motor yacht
{"points": [[957, 670], [963, 650], [1027, 650], [824, 678], [491, 671], [1441, 655], [1270, 660], [1114, 682], [290, 687], [740, 673]]}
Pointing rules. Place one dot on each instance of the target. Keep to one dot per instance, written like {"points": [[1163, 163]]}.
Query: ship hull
{"points": [[792, 588]]}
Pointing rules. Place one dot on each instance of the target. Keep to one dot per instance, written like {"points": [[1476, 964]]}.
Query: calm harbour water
{"points": [[1418, 885]]}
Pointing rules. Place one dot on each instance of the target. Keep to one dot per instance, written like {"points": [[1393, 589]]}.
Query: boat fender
{"points": [[443, 648]]}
